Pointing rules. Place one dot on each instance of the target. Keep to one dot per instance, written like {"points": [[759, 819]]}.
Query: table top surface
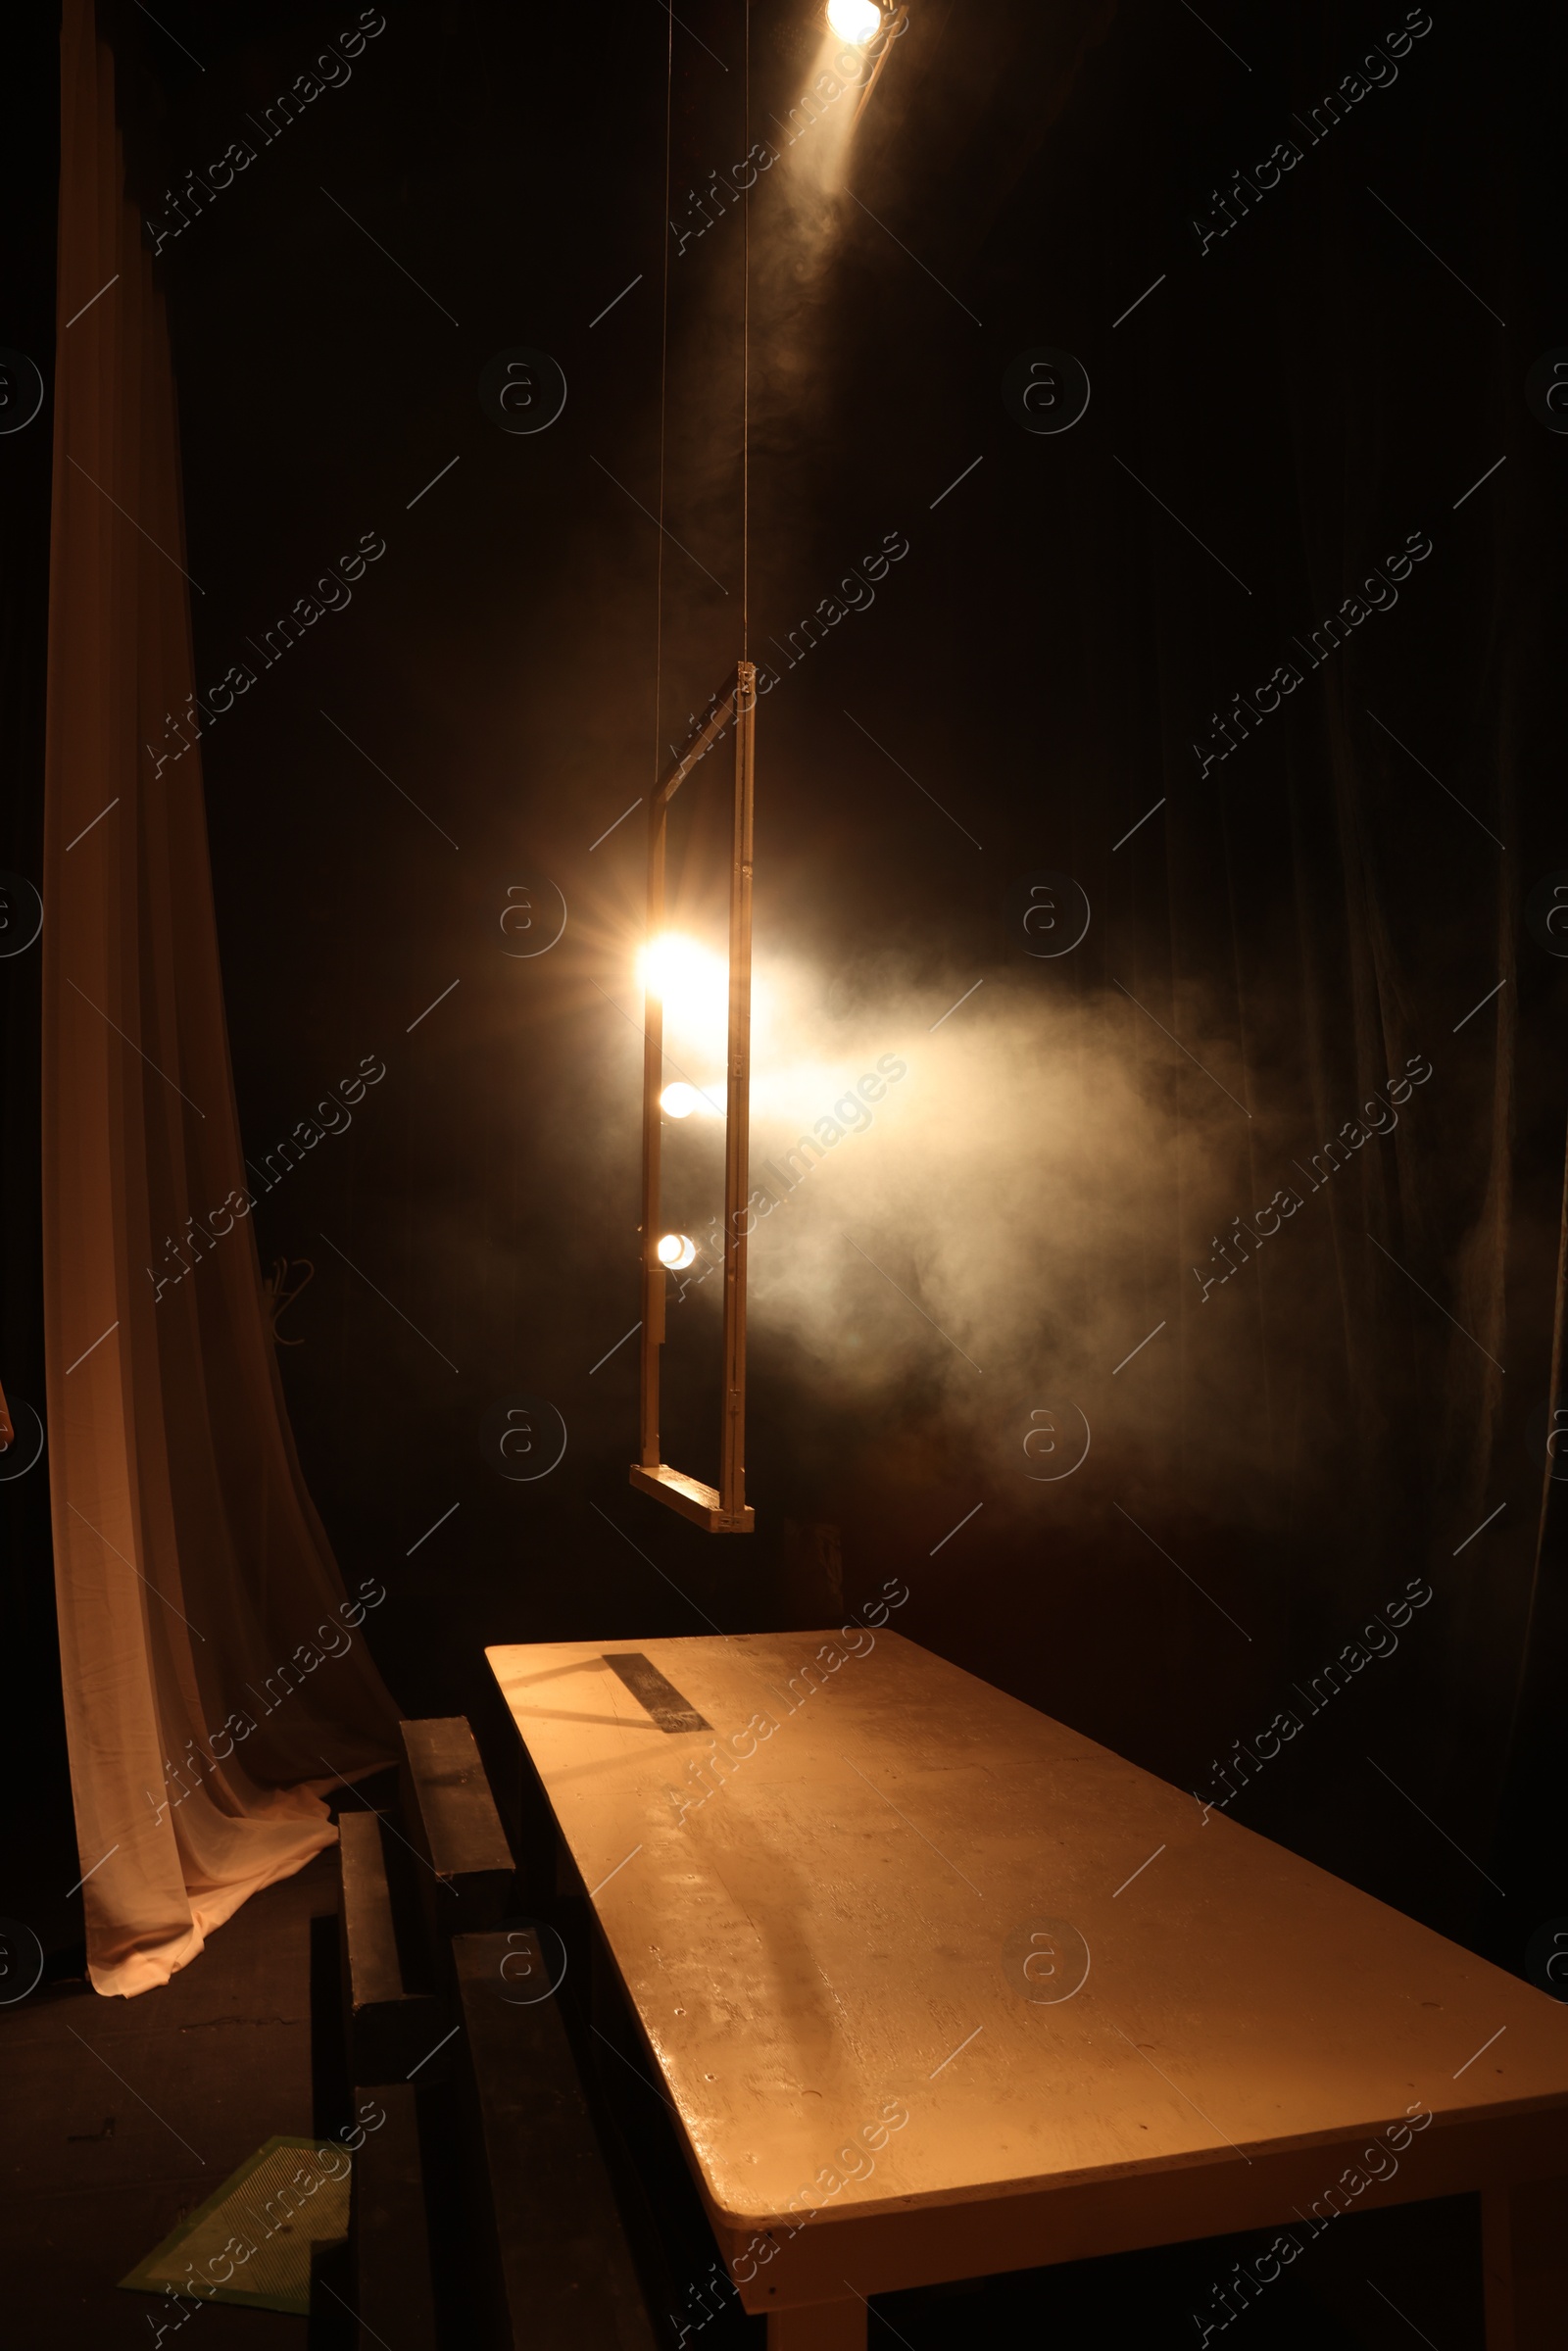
{"points": [[887, 1904]]}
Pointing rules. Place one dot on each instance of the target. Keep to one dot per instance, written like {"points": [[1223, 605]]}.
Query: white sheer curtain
{"points": [[217, 1674]]}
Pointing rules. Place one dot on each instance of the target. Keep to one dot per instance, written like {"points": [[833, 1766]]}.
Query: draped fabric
{"points": [[216, 1676]]}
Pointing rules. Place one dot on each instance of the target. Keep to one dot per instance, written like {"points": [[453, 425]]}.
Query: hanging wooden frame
{"points": [[882, 42], [725, 1511]]}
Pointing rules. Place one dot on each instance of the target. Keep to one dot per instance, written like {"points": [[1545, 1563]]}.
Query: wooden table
{"points": [[851, 1892]]}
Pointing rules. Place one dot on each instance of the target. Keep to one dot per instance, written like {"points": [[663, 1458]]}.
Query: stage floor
{"points": [[222, 2055]]}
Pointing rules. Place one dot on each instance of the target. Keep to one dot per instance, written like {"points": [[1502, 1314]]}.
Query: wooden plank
{"points": [[702, 1504], [654, 1282], [725, 1511], [374, 1970], [394, 2300], [667, 1485], [824, 1911], [387, 2026], [452, 1822], [738, 1106], [561, 2268], [701, 743]]}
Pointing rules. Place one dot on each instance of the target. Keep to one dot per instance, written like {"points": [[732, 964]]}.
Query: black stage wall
{"points": [[1256, 1188]]}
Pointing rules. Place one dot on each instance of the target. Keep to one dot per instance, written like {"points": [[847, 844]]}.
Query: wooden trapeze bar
{"points": [[725, 1511]]}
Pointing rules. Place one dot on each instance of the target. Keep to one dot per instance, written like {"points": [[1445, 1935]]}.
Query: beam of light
{"points": [[677, 1251], [854, 21], [819, 134]]}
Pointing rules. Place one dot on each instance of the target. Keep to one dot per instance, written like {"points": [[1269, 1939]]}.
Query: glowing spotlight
{"points": [[679, 1102], [681, 972], [691, 985], [854, 21], [677, 1251], [675, 967]]}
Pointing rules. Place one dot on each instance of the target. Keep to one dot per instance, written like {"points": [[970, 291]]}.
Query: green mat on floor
{"points": [[250, 2242]]}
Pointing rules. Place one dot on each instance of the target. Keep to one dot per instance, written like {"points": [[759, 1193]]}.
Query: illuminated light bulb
{"points": [[854, 21], [675, 967], [677, 1251], [691, 986], [679, 1102]]}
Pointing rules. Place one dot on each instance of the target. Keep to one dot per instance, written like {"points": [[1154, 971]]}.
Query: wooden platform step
{"points": [[389, 2024], [451, 1822], [393, 2298], [559, 2273]]}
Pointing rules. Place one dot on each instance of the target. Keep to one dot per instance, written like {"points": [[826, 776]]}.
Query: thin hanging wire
{"points": [[663, 402], [746, 358]]}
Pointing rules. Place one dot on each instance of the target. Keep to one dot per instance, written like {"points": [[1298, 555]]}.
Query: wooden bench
{"points": [[394, 2300], [454, 1826], [389, 2025], [542, 2256], [558, 2268]]}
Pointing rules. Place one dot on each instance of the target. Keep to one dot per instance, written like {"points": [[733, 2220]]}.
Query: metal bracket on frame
{"points": [[724, 1512]]}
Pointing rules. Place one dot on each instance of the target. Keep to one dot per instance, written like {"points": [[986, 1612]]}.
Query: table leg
{"points": [[1524, 2245], [821, 2327]]}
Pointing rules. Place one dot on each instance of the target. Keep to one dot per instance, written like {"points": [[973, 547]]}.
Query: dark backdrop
{"points": [[1287, 383]]}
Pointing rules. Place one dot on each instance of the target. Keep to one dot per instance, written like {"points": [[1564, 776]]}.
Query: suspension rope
{"points": [[663, 403], [746, 356]]}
